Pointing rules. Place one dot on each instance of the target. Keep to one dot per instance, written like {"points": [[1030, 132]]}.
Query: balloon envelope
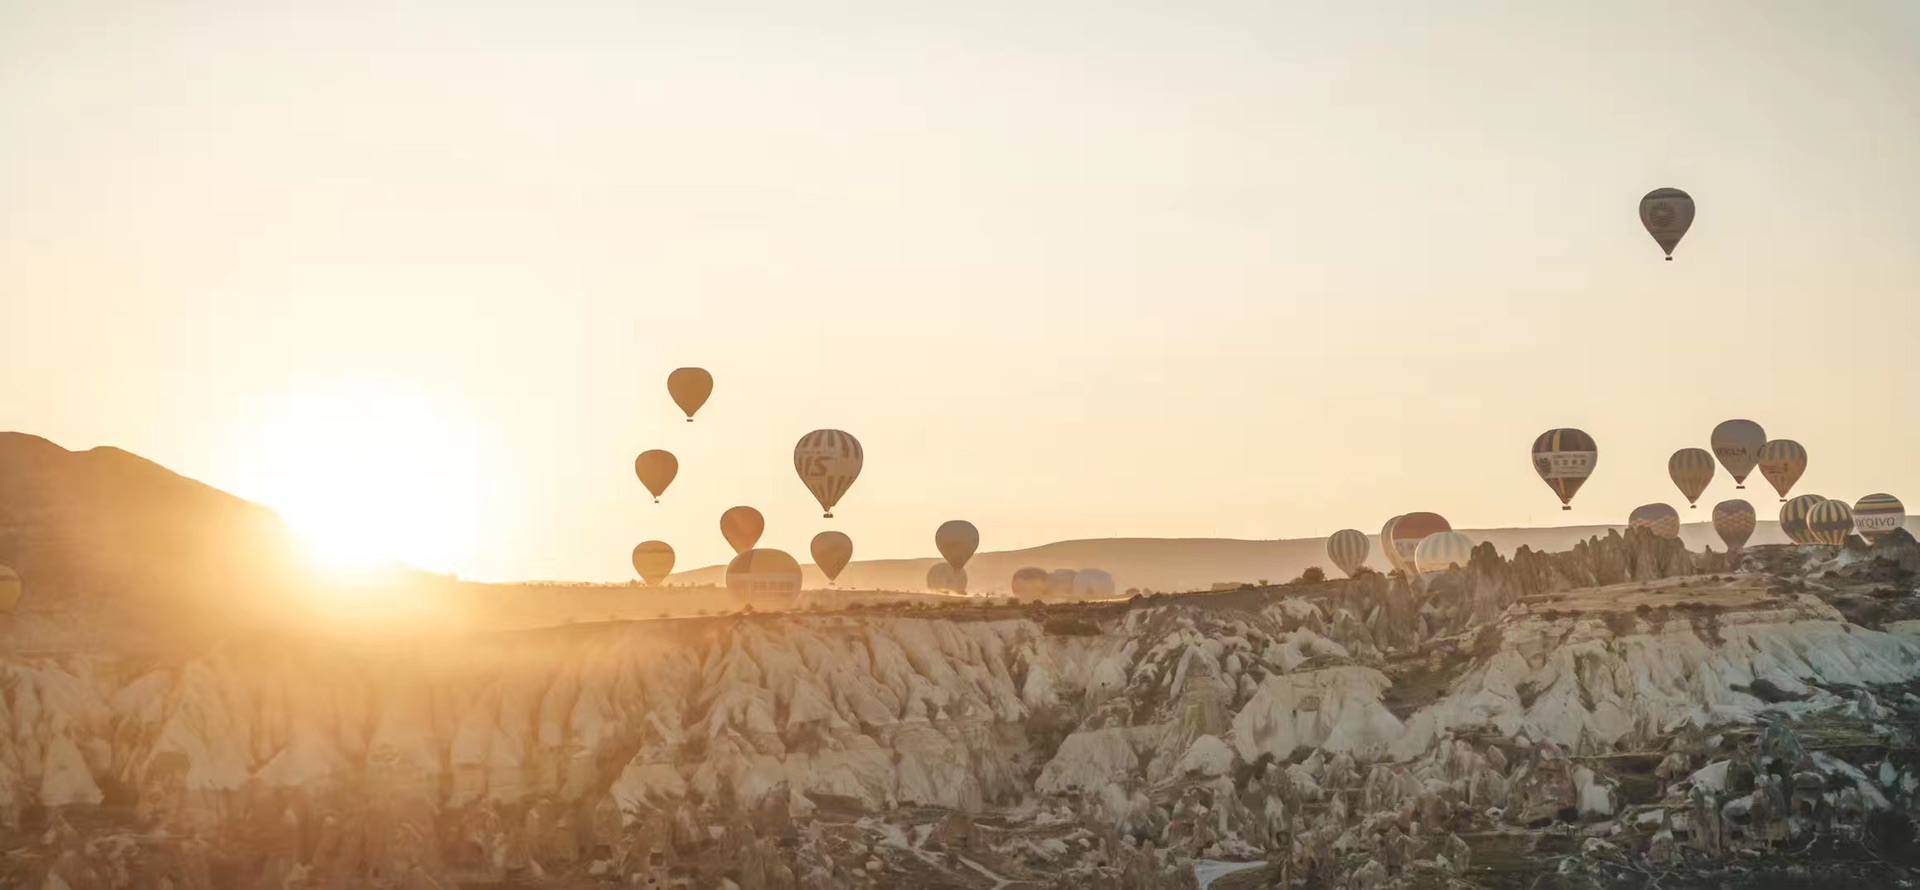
{"points": [[1691, 469], [763, 573], [1877, 515], [656, 470], [1441, 551], [1030, 582], [1734, 521], [1564, 458], [690, 388], [654, 561], [1793, 517], [10, 589], [828, 461], [1092, 584], [741, 526], [1386, 545], [1348, 550], [1060, 583], [1660, 519], [1410, 530], [1782, 462], [831, 552], [1737, 444], [1667, 213], [943, 576], [957, 539], [1830, 522]]}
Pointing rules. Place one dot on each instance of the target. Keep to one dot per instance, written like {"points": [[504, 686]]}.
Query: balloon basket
{"points": [[1567, 507]]}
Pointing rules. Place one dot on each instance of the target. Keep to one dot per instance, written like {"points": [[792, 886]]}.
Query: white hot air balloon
{"points": [[1348, 550]]}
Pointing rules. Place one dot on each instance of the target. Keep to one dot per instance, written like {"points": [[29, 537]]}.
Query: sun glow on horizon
{"points": [[369, 474]]}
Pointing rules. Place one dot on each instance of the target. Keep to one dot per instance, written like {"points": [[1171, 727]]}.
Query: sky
{"points": [[414, 272]]}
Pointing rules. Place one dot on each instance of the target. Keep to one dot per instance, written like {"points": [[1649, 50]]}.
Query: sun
{"points": [[368, 473]]}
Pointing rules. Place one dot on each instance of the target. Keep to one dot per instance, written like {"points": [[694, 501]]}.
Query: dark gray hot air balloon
{"points": [[1667, 213], [957, 539], [1030, 582], [1060, 583], [831, 553], [1348, 550], [1737, 444], [1660, 519]]}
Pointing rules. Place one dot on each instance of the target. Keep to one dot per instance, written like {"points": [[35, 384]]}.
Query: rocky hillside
{"points": [[1622, 712]]}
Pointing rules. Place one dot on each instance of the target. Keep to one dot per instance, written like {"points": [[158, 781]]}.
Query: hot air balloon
{"points": [[1782, 461], [1441, 551], [741, 526], [828, 461], [1734, 521], [1060, 583], [1793, 517], [656, 470], [1830, 522], [1387, 548], [690, 388], [1667, 214], [10, 589], [1348, 550], [1660, 519], [1410, 530], [1691, 469], [1878, 515], [943, 576], [763, 573], [1737, 443], [1564, 459], [1093, 584], [831, 553], [654, 561], [957, 539], [1030, 582]]}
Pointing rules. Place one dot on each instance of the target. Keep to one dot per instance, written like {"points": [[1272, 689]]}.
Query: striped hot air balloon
{"points": [[1410, 530], [1830, 522], [1092, 584], [1793, 517], [1782, 462], [1348, 550], [1660, 519], [1564, 458], [653, 560], [763, 573], [1734, 521], [1667, 213], [828, 461], [1737, 444], [1442, 551], [1691, 469], [1878, 515], [1386, 546], [831, 553], [1030, 582]]}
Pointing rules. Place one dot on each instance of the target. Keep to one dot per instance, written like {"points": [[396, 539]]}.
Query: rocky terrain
{"points": [[1625, 712]]}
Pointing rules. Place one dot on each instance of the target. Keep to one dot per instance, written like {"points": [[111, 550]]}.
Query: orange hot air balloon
{"points": [[10, 589], [831, 552], [690, 388], [741, 526], [654, 561], [656, 470]]}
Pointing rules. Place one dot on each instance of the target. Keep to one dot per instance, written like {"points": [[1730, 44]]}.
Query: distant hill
{"points": [[1193, 563]]}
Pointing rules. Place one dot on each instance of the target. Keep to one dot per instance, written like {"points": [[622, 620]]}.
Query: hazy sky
{"points": [[416, 271]]}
